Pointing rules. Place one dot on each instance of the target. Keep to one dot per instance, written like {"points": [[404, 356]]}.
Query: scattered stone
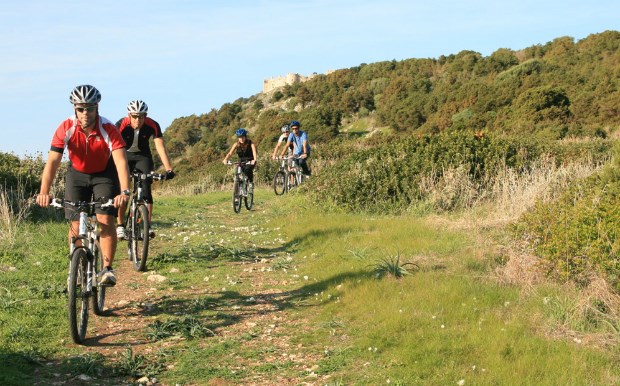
{"points": [[157, 278], [84, 377]]}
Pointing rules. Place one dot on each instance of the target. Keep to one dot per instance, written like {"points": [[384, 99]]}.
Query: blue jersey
{"points": [[299, 142]]}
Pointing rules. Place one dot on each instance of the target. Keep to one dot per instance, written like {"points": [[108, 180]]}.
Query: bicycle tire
{"points": [[140, 237], [98, 291], [279, 183], [249, 200], [128, 233], [78, 299], [293, 184], [236, 197]]}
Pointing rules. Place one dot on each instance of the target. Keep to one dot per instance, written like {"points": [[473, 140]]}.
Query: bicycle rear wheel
{"points": [[236, 197], [78, 296], [249, 200], [140, 237], [279, 183], [98, 291]]}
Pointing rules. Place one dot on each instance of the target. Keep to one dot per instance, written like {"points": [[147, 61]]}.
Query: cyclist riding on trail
{"points": [[136, 129], [97, 167], [282, 141], [301, 150], [246, 151]]}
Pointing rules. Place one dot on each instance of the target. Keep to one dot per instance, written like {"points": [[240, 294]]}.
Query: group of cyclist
{"points": [[102, 154], [296, 146]]}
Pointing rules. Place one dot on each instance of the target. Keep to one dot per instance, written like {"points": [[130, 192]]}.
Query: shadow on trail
{"points": [[221, 309], [241, 251]]}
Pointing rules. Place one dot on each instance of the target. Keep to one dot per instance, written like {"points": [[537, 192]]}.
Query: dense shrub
{"points": [[577, 234], [391, 176]]}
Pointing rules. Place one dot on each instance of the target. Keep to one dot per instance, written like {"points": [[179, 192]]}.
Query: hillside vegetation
{"points": [[554, 90], [480, 193]]}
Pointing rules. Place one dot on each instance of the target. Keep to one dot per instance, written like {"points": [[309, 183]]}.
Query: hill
{"points": [[563, 88]]}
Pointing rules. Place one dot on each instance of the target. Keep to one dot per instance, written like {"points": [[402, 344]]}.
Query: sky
{"points": [[187, 57]]}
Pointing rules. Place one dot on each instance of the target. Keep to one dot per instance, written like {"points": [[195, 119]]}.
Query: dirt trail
{"points": [[134, 302]]}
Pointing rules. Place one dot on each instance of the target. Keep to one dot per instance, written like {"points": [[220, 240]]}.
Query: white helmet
{"points": [[85, 94], [285, 129], [137, 107]]}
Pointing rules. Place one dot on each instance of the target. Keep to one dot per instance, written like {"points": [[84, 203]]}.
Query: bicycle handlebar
{"points": [[149, 176], [288, 157], [60, 203]]}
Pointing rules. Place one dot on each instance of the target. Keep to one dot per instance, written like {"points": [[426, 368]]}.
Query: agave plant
{"points": [[392, 266]]}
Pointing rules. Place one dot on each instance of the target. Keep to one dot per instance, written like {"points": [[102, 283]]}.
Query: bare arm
{"points": [[254, 153], [120, 160], [288, 143], [232, 150], [163, 154], [49, 173], [275, 150]]}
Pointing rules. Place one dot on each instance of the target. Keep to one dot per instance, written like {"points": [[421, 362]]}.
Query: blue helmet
{"points": [[241, 132], [295, 123]]}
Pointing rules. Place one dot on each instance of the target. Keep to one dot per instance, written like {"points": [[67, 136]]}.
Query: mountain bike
{"points": [[241, 188], [137, 224], [85, 262], [295, 175], [288, 177], [280, 178]]}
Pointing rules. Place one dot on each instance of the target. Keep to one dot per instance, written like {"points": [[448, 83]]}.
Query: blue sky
{"points": [[186, 57]]}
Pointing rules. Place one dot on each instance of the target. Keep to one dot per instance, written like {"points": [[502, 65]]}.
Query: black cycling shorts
{"points": [[86, 187], [143, 164]]}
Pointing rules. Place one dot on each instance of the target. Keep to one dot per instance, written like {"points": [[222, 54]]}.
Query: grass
{"points": [[287, 294]]}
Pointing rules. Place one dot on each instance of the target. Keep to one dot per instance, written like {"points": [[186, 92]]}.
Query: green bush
{"points": [[577, 234]]}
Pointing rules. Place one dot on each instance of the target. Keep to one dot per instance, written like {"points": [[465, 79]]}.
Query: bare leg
{"points": [[108, 238]]}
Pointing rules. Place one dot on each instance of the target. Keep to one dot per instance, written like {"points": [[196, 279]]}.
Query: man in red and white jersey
{"points": [[97, 168]]}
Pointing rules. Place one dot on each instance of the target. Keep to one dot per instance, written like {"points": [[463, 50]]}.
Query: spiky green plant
{"points": [[392, 266]]}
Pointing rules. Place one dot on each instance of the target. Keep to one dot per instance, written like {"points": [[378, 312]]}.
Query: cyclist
{"points": [[282, 140], [136, 129], [97, 167], [301, 147], [246, 151]]}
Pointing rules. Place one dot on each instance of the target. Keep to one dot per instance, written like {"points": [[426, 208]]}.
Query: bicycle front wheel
{"points": [[140, 237], [292, 180], [236, 197], [98, 291], [78, 295], [279, 183]]}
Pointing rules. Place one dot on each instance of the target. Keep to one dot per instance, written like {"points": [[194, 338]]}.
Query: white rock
{"points": [[157, 278]]}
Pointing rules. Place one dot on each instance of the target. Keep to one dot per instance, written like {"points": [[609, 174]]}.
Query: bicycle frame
{"points": [[82, 281], [88, 233], [296, 171], [241, 187], [137, 241]]}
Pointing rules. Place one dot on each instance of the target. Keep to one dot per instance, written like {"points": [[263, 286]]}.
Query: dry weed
{"points": [[13, 210]]}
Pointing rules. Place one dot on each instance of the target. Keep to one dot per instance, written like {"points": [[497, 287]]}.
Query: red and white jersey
{"points": [[87, 154]]}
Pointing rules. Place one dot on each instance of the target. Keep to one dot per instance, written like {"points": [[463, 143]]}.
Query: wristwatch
{"points": [[125, 192]]}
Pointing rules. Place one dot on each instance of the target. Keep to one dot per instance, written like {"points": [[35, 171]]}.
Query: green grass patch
{"points": [[287, 292]]}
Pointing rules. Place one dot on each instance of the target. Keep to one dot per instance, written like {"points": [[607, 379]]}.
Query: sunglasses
{"points": [[137, 116], [88, 109]]}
